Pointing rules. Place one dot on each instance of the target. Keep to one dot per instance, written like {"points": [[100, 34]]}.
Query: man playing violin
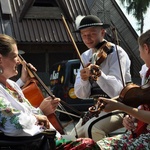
{"points": [[106, 79], [137, 121]]}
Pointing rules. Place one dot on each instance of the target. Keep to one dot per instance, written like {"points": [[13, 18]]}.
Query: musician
{"points": [[138, 119], [17, 116], [109, 82]]}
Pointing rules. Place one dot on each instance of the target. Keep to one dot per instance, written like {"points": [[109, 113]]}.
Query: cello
{"points": [[33, 93]]}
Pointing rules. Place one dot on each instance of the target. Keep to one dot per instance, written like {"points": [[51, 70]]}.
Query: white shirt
{"points": [[110, 80], [142, 72]]}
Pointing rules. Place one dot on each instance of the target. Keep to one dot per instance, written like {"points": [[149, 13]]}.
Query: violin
{"points": [[103, 49], [132, 95]]}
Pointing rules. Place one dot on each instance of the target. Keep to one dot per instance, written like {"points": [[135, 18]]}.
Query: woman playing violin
{"points": [[138, 119]]}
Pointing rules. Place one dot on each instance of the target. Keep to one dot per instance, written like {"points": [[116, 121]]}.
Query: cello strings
{"points": [[69, 114]]}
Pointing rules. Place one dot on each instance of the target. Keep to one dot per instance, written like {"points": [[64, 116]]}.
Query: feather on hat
{"points": [[88, 21]]}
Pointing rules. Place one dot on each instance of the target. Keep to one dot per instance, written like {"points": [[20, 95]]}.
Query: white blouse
{"points": [[17, 114]]}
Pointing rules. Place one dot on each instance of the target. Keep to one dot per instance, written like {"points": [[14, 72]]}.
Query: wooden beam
{"points": [[47, 13], [65, 10], [27, 5], [5, 5]]}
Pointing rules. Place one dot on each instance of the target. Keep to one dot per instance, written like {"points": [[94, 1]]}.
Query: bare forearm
{"points": [[110, 105], [135, 112]]}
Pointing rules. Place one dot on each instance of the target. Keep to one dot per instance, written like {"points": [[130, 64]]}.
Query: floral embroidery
{"points": [[15, 94], [14, 120], [8, 113], [121, 142], [3, 121]]}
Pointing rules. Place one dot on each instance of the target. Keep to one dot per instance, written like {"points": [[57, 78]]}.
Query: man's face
{"points": [[92, 36]]}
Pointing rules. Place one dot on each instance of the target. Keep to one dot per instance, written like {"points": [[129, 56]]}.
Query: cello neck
{"points": [[52, 117], [32, 73]]}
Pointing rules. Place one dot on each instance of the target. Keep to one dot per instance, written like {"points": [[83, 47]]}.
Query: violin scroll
{"points": [[95, 72], [96, 109]]}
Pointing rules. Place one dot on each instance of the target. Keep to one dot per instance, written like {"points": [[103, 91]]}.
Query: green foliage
{"points": [[138, 9]]}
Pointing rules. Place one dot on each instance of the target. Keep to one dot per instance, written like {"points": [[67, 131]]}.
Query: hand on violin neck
{"points": [[95, 72], [91, 71], [109, 104]]}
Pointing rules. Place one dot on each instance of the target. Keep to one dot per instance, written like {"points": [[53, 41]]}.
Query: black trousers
{"points": [[42, 141]]}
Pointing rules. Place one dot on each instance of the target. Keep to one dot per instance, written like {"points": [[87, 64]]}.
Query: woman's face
{"points": [[10, 63], [92, 36]]}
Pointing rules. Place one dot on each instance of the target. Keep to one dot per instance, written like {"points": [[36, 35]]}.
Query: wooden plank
{"points": [[43, 13], [25, 8], [6, 9]]}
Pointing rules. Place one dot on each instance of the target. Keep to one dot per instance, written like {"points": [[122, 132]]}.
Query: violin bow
{"points": [[117, 43], [123, 82], [71, 37], [76, 48]]}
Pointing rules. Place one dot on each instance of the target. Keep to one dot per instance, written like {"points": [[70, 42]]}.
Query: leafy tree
{"points": [[138, 8]]}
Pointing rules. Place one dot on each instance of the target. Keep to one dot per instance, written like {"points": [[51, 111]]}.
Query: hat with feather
{"points": [[89, 21]]}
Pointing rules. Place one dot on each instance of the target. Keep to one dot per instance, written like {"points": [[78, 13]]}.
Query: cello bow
{"points": [[52, 117]]}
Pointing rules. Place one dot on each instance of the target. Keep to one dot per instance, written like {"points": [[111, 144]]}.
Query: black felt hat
{"points": [[89, 21]]}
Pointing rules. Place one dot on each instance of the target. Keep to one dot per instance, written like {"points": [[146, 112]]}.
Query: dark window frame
{"points": [[45, 3]]}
